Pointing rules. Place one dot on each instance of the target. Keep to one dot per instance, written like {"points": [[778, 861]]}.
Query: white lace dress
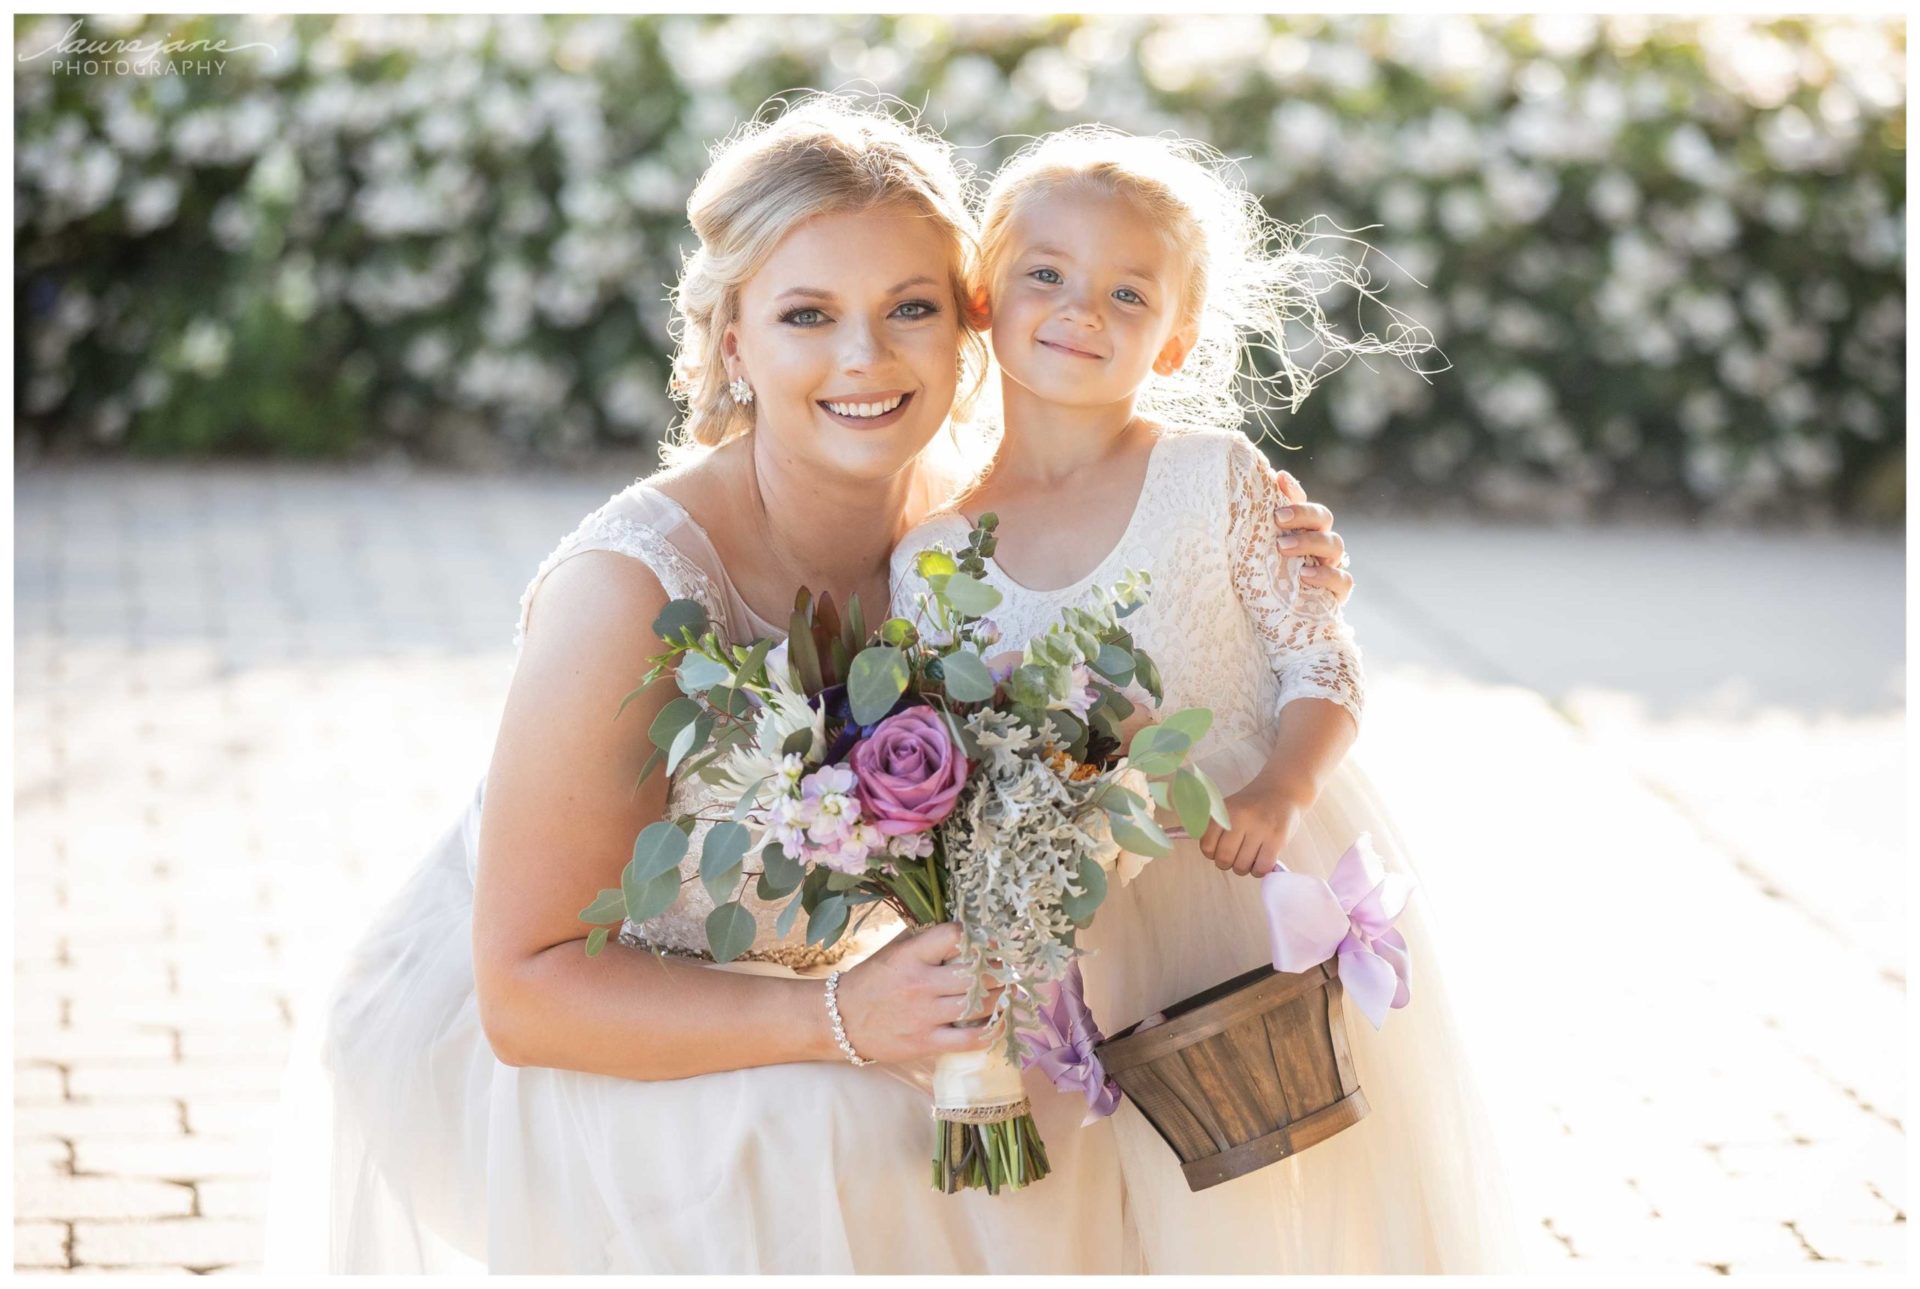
{"points": [[404, 1146], [1415, 1186]]}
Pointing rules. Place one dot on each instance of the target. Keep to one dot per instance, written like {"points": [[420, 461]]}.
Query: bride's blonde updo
{"points": [[1249, 277], [823, 154]]}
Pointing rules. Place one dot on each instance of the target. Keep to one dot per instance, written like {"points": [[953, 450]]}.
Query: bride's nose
{"points": [[865, 347]]}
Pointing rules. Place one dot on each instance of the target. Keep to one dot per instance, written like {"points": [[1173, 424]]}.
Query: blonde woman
{"points": [[478, 1094]]}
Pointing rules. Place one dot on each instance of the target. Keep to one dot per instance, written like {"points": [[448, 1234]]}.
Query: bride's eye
{"points": [[803, 317], [1050, 276], [914, 310]]}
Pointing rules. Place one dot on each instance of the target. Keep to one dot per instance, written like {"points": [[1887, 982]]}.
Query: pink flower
{"points": [[909, 772]]}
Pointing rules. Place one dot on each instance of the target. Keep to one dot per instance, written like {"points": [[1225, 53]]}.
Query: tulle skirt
{"points": [[402, 1145], [1415, 1186]]}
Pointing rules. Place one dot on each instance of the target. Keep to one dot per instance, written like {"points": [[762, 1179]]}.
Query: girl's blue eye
{"points": [[1127, 295], [1052, 276], [803, 317], [923, 309]]}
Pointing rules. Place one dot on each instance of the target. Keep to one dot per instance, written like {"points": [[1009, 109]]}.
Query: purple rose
{"points": [[909, 772]]}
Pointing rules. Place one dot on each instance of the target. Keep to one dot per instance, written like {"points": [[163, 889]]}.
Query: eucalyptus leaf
{"points": [[967, 678], [720, 857], [730, 931], [609, 906], [1191, 802], [658, 849], [827, 920], [690, 739], [970, 596], [1147, 672], [838, 881], [680, 617], [1194, 722], [875, 682], [1216, 804], [673, 718], [596, 941], [897, 631], [654, 897], [797, 743], [1136, 831], [698, 672], [1114, 663], [783, 925], [729, 701], [787, 872], [1093, 887]]}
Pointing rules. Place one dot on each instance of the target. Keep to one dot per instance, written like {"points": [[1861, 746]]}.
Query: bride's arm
{"points": [[559, 818], [557, 825]]}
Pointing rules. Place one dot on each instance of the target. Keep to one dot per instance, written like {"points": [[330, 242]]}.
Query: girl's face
{"points": [[850, 337], [1084, 303]]}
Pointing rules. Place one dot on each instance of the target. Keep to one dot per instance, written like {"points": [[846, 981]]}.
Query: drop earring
{"points": [[741, 391]]}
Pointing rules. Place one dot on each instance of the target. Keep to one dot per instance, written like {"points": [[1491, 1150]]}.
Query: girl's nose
{"points": [[1079, 309]]}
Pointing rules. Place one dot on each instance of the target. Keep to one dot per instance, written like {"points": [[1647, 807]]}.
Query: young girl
{"points": [[1123, 279]]}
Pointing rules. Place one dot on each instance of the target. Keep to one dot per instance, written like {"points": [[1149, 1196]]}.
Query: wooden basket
{"points": [[1243, 1074]]}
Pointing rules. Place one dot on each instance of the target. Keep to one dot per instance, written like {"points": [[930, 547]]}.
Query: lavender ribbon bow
{"points": [[1064, 1047], [1351, 914]]}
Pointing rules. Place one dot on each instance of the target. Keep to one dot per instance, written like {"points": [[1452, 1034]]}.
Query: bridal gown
{"points": [[403, 1145], [1416, 1186]]}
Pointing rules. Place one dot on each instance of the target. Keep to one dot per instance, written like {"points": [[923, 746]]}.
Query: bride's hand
{"points": [[1311, 528], [903, 1002]]}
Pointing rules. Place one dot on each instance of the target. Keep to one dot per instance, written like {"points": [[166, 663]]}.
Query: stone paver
{"points": [[248, 697]]}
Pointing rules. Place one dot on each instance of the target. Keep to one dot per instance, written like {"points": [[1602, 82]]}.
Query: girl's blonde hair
{"points": [[822, 154], [1248, 276]]}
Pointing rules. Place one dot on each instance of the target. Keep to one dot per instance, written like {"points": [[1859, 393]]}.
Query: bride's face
{"points": [[850, 336]]}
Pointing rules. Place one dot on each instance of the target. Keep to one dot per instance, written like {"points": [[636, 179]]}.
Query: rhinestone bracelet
{"points": [[839, 1029]]}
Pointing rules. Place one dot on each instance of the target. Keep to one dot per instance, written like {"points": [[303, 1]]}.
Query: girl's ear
{"points": [[1173, 353], [979, 309], [730, 350]]}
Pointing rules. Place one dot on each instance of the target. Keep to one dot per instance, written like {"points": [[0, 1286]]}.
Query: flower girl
{"points": [[1123, 280]]}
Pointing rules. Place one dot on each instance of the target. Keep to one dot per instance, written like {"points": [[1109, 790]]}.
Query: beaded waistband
{"points": [[794, 956]]}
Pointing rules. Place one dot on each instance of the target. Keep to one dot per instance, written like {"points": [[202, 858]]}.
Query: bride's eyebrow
{"points": [[817, 293]]}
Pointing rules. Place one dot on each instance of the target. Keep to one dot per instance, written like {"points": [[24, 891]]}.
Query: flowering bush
{"points": [[1665, 257]]}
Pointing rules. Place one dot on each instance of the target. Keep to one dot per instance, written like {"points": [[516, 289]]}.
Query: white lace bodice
{"points": [[649, 526], [1227, 620]]}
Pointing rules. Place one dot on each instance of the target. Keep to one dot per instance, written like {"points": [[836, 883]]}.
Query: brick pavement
{"points": [[211, 660]]}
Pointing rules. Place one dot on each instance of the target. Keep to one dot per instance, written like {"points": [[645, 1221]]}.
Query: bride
{"points": [[475, 1093]]}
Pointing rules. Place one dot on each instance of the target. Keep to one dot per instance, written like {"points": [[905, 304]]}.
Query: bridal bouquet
{"points": [[903, 767]]}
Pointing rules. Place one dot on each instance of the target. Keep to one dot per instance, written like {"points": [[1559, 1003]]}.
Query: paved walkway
{"points": [[247, 697]]}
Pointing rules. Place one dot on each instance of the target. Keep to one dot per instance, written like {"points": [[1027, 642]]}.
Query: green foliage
{"points": [[1660, 268]]}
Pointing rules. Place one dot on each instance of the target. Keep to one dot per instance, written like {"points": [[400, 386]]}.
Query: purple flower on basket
{"points": [[909, 772], [1063, 1047]]}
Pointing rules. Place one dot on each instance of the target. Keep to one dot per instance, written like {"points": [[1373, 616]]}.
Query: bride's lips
{"points": [[1069, 350], [867, 422]]}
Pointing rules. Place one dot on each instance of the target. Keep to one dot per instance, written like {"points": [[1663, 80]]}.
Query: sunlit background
{"points": [[318, 352]]}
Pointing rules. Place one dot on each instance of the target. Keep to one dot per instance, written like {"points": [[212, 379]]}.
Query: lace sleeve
{"points": [[679, 576], [1309, 644]]}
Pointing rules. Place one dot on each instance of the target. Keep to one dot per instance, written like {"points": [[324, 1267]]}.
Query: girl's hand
{"points": [[905, 1000], [1310, 528], [1265, 819]]}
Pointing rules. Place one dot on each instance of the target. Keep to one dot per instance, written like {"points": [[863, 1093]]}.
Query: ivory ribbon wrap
{"points": [[978, 1087]]}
